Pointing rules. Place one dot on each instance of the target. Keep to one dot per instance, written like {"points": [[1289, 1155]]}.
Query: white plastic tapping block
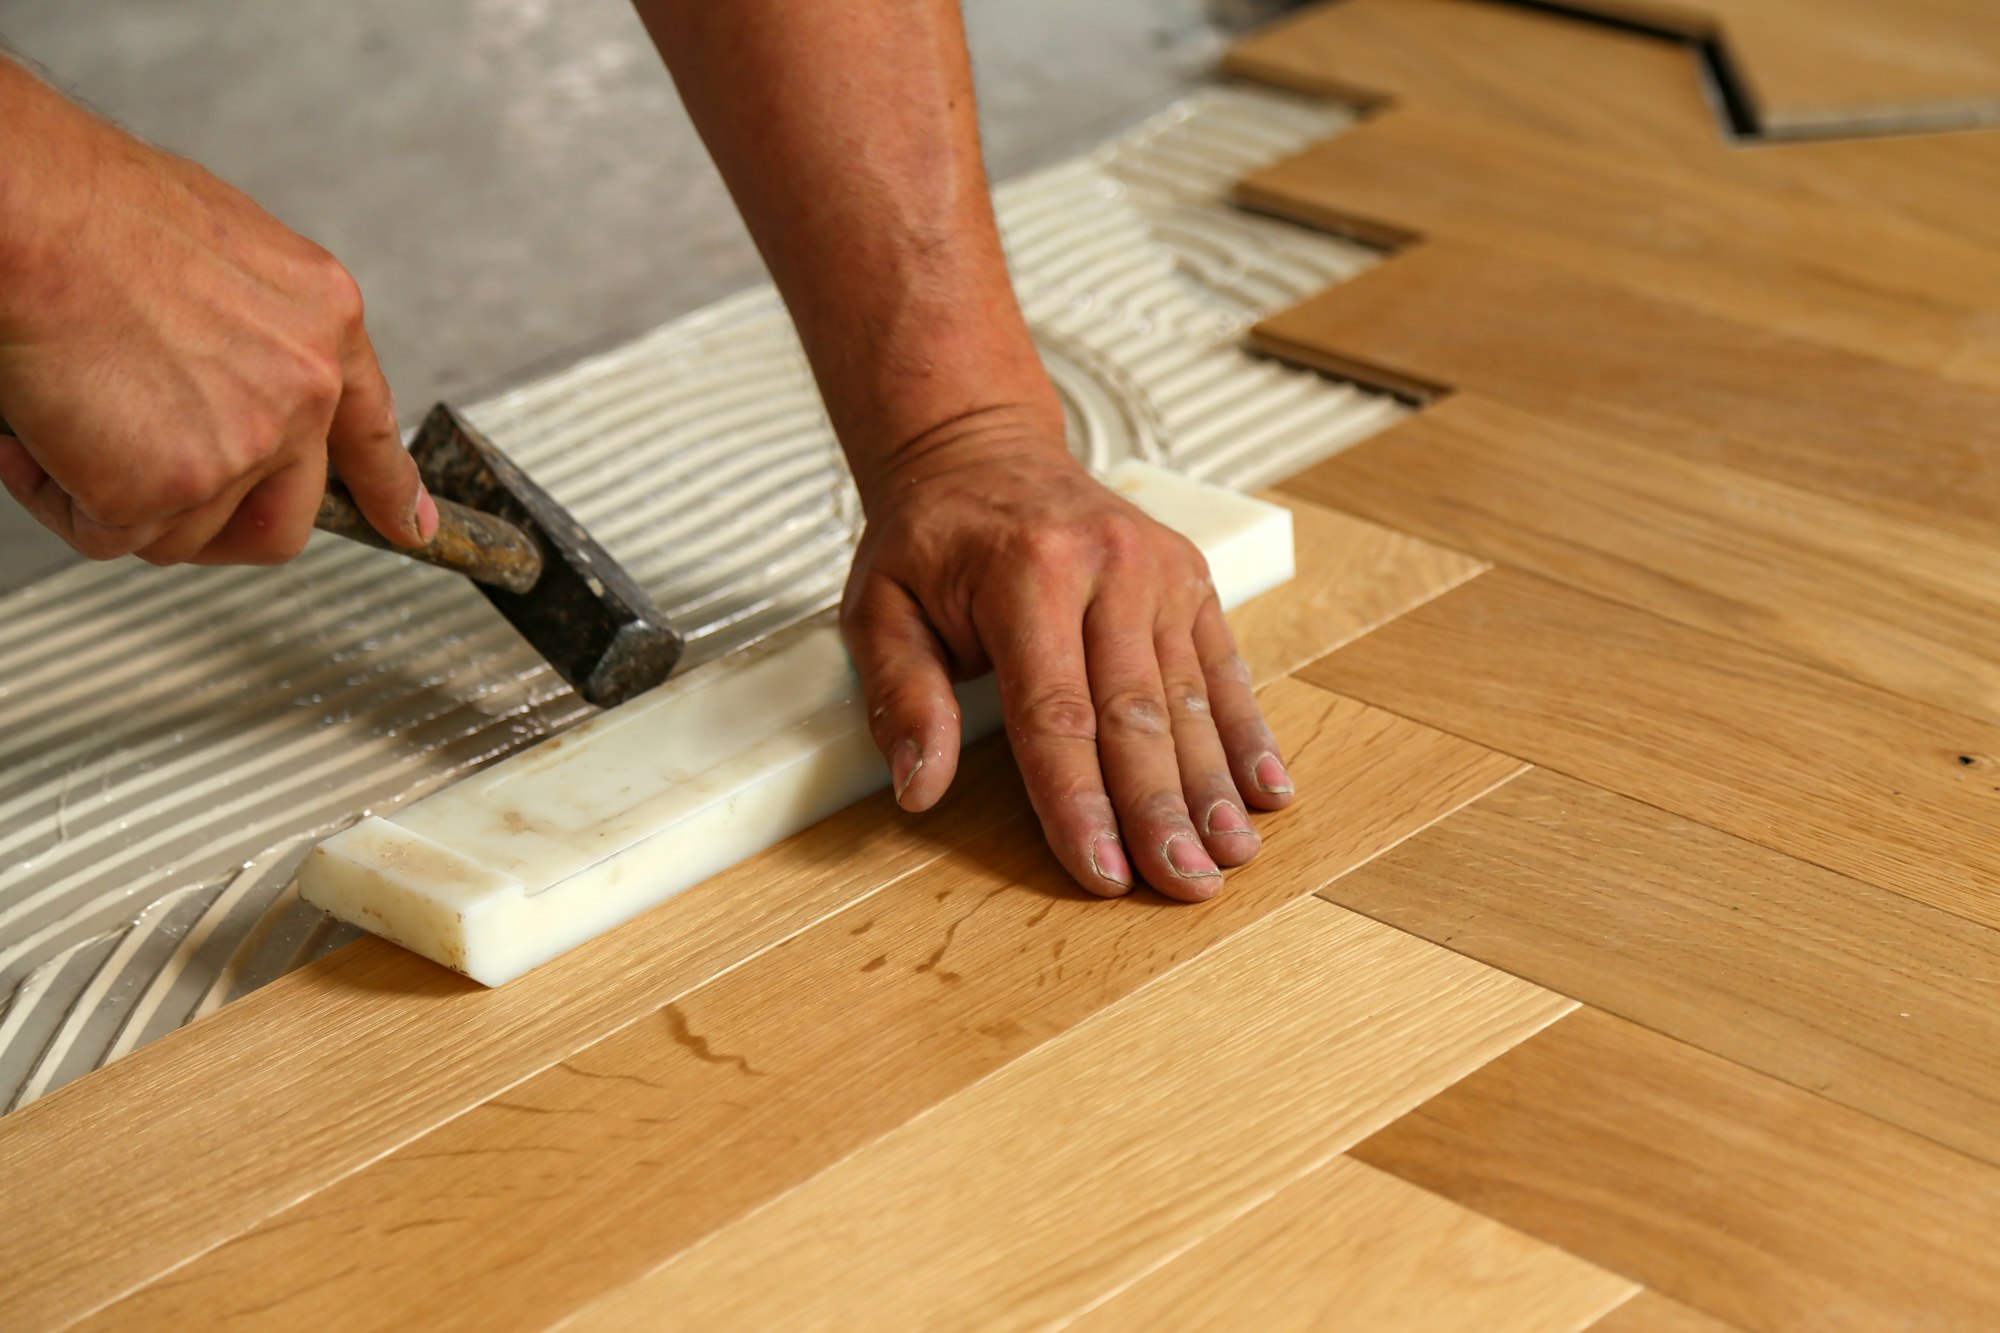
{"points": [[516, 864]]}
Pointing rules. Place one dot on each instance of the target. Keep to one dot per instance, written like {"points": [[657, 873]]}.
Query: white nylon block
{"points": [[531, 857]]}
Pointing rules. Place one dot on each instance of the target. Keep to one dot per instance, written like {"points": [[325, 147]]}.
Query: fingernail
{"points": [[1107, 858], [1271, 776], [1225, 818], [1187, 858], [427, 513], [904, 765]]}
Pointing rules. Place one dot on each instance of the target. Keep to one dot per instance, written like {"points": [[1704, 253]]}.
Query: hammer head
{"points": [[587, 616]]}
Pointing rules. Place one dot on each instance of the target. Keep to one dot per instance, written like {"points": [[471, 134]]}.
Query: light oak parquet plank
{"points": [[1827, 66], [1729, 1191], [193, 1139], [1854, 278], [1845, 990], [1350, 1247], [1650, 1312], [1894, 603], [1630, 95], [1102, 1154], [1884, 789], [598, 1168], [1575, 82], [1593, 354]]}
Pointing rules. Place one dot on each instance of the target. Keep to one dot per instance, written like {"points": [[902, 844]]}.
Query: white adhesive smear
{"points": [[172, 742]]}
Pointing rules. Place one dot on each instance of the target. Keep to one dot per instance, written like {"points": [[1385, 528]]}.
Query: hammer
{"points": [[555, 585]]}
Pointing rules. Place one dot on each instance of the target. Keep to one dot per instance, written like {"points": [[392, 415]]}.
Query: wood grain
{"points": [[1494, 63], [199, 1136], [1845, 990], [1894, 603], [1846, 66], [1354, 575], [1097, 1157], [1729, 1191], [1633, 96], [632, 1150], [1350, 1247], [1855, 278], [1650, 1312], [1593, 354], [1889, 791]]}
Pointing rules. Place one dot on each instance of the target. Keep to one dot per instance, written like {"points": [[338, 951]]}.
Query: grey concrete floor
{"points": [[514, 182]]}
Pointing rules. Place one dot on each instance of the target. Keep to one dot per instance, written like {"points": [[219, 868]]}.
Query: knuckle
{"points": [[339, 289], [1187, 699], [1061, 713], [1134, 712]]}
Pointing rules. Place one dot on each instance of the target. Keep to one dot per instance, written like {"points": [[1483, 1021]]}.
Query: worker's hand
{"points": [[1129, 711], [178, 368]]}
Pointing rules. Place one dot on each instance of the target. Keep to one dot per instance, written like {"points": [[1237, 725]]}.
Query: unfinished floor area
{"points": [[1629, 961]]}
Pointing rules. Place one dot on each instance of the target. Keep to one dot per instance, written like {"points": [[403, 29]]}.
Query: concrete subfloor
{"points": [[514, 182]]}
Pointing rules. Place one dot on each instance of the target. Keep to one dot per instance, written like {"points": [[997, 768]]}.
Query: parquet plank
{"points": [[1650, 1312], [1881, 788], [1852, 992], [197, 1137], [606, 1164], [1580, 83], [1894, 603], [1590, 353], [1853, 278], [1575, 82], [1350, 1247], [1729, 1191], [1859, 66], [1099, 1156]]}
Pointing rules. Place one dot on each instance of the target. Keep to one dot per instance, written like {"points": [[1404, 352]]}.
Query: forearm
{"points": [[46, 162], [848, 136]]}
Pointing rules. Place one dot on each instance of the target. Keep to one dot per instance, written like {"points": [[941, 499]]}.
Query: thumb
{"points": [[912, 712]]}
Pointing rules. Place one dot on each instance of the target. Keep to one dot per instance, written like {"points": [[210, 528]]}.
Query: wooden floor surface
{"points": [[1629, 961]]}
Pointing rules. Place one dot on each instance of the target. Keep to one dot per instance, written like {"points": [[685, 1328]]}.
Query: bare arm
{"points": [[848, 135]]}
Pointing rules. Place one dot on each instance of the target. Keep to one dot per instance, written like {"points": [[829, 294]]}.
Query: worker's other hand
{"points": [[1130, 713], [178, 368]]}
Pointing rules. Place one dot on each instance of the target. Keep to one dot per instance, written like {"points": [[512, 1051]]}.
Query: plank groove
{"points": [[1851, 992], [1095, 1158], [1740, 1196], [1888, 791], [634, 1148]]}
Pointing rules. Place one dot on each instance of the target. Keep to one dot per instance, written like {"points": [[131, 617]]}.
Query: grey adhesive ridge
{"points": [[173, 741]]}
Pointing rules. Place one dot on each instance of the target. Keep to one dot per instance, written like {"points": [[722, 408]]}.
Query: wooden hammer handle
{"points": [[478, 545]]}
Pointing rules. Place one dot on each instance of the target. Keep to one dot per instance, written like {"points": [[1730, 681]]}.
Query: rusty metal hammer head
{"points": [[593, 623]]}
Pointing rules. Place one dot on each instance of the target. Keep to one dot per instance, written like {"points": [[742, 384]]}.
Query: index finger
{"points": [[365, 446]]}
